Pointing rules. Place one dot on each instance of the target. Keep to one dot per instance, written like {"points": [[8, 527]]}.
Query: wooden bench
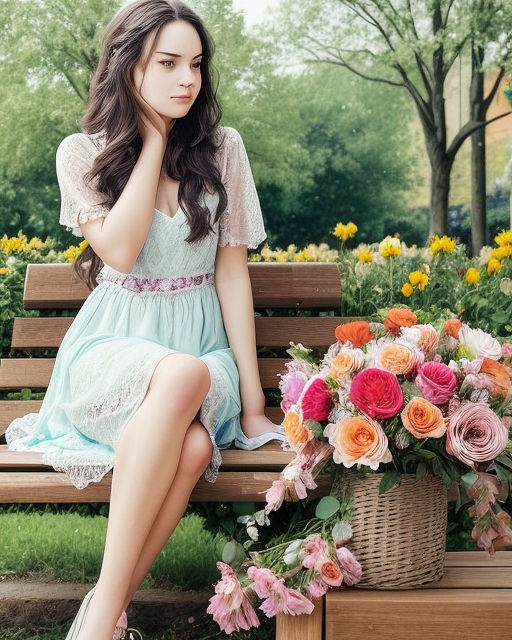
{"points": [[449, 608]]}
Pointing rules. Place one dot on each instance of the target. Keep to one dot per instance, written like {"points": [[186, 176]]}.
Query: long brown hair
{"points": [[113, 109]]}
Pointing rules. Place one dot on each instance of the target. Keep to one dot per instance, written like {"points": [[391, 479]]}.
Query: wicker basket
{"points": [[399, 537]]}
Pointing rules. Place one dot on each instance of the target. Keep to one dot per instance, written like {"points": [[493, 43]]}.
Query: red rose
{"points": [[316, 402], [377, 393]]}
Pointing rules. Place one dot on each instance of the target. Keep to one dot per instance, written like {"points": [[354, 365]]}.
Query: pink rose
{"points": [[350, 567], [436, 381], [315, 547], [316, 401], [278, 598], [377, 393], [475, 434], [291, 385]]}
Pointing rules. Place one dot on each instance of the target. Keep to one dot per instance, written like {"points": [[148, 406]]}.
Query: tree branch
{"points": [[342, 63], [467, 130], [494, 89]]}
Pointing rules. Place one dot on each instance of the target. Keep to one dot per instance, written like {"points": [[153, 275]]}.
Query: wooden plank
{"points": [[35, 373], [270, 456], [475, 578], [478, 559], [55, 487], [10, 409], [31, 333], [434, 614], [303, 627], [284, 285]]}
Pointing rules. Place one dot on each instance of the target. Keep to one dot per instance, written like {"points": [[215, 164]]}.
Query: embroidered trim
{"points": [[139, 284]]}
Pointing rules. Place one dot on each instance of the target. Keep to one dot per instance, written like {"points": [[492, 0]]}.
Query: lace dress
{"points": [[129, 322]]}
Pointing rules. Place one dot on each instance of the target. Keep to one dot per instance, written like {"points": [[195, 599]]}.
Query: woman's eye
{"points": [[196, 65], [164, 62]]}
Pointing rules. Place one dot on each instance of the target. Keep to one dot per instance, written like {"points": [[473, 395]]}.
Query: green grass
{"points": [[69, 547]]}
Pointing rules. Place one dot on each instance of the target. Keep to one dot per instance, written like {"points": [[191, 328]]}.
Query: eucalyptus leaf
{"points": [[327, 507]]}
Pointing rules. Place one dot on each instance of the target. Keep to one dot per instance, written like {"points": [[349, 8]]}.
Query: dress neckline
{"points": [[167, 215]]}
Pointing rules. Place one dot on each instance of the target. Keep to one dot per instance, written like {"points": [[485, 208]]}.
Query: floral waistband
{"points": [[140, 284]]}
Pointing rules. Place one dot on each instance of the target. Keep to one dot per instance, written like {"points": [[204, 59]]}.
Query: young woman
{"points": [[158, 370]]}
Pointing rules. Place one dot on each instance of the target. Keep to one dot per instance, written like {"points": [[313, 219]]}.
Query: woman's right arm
{"points": [[119, 237]]}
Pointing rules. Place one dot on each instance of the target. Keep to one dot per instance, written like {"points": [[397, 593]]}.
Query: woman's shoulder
{"points": [[228, 136], [81, 144]]}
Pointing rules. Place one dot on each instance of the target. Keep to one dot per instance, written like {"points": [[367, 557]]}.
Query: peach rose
{"points": [[358, 439], [400, 358], [423, 419], [429, 340], [295, 430], [347, 361], [329, 572], [398, 318]]}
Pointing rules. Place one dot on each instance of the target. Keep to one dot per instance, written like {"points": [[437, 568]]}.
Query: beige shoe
{"points": [[79, 618]]}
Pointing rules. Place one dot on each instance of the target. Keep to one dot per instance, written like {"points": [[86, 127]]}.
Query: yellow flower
{"points": [[502, 252], [493, 266], [504, 238], [407, 290], [72, 253], [365, 255], [443, 244], [472, 276], [345, 231], [418, 279], [3, 271], [390, 247], [16, 243]]}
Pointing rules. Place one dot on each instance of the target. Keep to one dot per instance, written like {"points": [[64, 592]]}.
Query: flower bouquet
{"points": [[428, 409]]}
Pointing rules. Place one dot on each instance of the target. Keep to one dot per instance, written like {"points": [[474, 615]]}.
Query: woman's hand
{"points": [[255, 425], [150, 122]]}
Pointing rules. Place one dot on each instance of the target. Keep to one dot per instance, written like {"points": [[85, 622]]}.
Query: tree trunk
{"points": [[478, 169], [439, 192]]}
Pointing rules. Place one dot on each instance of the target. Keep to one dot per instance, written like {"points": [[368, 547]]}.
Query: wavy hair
{"points": [[113, 109]]}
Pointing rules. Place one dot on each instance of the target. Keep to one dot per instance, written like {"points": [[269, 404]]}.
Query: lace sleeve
{"points": [[242, 222], [80, 202]]}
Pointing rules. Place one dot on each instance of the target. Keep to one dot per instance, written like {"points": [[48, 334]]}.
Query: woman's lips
{"points": [[184, 98]]}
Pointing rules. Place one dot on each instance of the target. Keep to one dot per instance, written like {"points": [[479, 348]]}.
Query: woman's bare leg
{"points": [[195, 456], [147, 458]]}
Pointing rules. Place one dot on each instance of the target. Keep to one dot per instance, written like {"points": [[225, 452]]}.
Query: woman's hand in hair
{"points": [[150, 122]]}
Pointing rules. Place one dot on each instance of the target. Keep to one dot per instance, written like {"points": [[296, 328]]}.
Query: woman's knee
{"points": [[196, 452], [183, 369]]}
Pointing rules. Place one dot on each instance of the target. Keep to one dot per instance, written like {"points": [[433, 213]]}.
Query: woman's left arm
{"points": [[235, 297]]}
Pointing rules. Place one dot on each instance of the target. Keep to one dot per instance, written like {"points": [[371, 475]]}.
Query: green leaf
{"points": [[469, 478], [421, 471], [327, 507], [229, 552], [315, 427], [389, 480]]}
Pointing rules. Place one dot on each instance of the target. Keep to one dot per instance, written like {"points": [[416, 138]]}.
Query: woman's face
{"points": [[172, 71]]}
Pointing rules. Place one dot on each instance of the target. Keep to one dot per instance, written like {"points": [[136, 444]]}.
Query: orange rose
{"points": [[398, 318], [498, 375], [347, 361], [329, 572], [452, 327], [400, 359], [358, 333], [423, 419], [295, 430], [357, 439]]}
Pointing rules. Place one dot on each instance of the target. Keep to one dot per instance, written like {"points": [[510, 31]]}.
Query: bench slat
{"points": [[478, 559], [35, 373], [281, 285], [230, 486], [31, 333], [10, 409], [269, 456]]}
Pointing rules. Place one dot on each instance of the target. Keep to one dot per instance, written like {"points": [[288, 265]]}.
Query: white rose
{"points": [[480, 343]]}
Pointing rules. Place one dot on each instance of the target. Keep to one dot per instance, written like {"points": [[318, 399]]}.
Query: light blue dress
{"points": [[129, 322]]}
